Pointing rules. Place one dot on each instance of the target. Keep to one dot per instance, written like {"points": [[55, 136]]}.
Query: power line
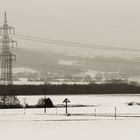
{"points": [[71, 44]]}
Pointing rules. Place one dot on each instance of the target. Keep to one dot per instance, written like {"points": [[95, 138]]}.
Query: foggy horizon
{"points": [[100, 36]]}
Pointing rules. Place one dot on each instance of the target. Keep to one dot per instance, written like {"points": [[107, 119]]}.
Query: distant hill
{"points": [[41, 60], [63, 63]]}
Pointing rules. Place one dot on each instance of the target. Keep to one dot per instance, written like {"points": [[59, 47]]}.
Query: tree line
{"points": [[104, 88]]}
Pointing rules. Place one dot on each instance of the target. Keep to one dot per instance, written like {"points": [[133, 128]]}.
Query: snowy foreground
{"points": [[99, 129], [37, 125], [95, 122]]}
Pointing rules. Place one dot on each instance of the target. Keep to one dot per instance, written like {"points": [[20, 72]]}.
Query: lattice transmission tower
{"points": [[6, 56]]}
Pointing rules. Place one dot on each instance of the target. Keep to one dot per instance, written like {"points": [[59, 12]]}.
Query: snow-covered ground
{"points": [[100, 100], [85, 123], [36, 127]]}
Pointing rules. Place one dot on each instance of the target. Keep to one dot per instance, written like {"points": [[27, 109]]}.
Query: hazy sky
{"points": [[105, 22]]}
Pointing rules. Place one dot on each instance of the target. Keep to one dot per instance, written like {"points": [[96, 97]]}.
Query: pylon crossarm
{"points": [[13, 57], [12, 42], [6, 26], [10, 30]]}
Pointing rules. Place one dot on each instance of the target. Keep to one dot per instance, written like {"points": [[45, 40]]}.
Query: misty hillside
{"points": [[56, 62], [41, 60]]}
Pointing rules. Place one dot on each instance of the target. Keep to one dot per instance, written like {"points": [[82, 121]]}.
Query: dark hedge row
{"points": [[108, 88]]}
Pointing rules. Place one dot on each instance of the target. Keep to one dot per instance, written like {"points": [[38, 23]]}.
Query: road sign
{"points": [[66, 101]]}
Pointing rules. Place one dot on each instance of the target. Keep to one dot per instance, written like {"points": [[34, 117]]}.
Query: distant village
{"points": [[29, 76]]}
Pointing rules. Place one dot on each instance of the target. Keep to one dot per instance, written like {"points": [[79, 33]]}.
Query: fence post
{"points": [[115, 113], [56, 110], [95, 111], [24, 105]]}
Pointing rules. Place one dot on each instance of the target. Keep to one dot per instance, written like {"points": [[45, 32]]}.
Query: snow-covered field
{"points": [[85, 123], [36, 127], [99, 100]]}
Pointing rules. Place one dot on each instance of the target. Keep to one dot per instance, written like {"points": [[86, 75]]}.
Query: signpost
{"points": [[66, 101]]}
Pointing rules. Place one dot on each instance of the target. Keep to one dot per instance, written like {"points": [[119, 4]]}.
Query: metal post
{"points": [[66, 101], [95, 111], [56, 110], [115, 113], [24, 105], [66, 108], [45, 104]]}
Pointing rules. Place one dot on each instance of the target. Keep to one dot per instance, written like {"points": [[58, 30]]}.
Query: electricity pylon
{"points": [[6, 56]]}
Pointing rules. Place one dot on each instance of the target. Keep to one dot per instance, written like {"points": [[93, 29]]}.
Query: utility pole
{"points": [[6, 56], [45, 101], [45, 92]]}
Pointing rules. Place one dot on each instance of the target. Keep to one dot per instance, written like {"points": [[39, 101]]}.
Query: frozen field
{"points": [[37, 127], [85, 123], [103, 100]]}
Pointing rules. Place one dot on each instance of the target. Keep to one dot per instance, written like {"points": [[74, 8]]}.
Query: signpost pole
{"points": [[66, 101]]}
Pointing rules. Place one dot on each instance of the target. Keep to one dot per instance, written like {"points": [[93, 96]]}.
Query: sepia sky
{"points": [[105, 22]]}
